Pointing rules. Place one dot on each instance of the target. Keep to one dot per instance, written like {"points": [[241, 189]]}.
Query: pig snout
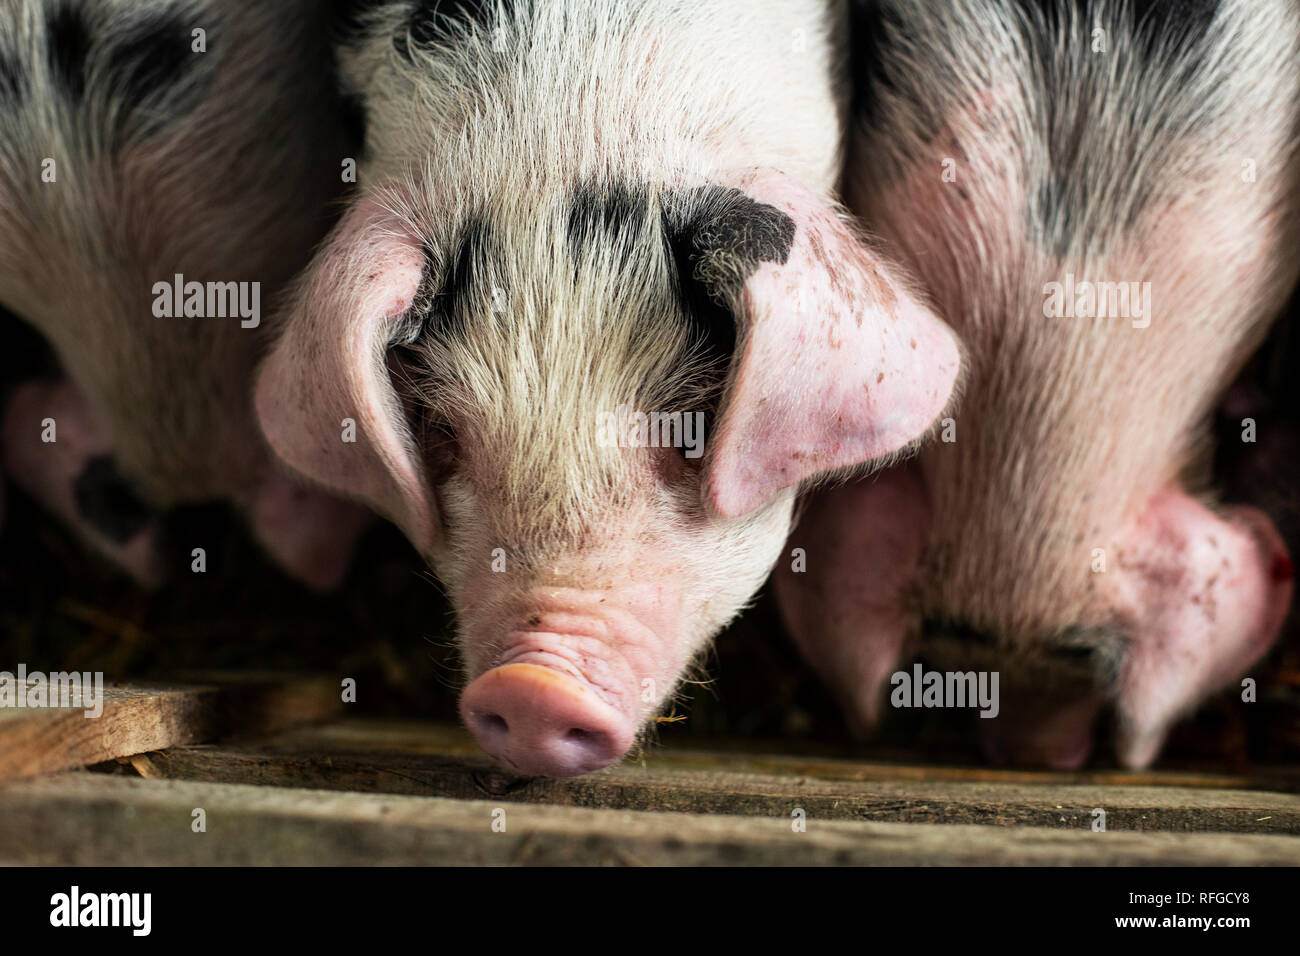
{"points": [[1194, 597], [566, 690], [1058, 736], [75, 475], [537, 720]]}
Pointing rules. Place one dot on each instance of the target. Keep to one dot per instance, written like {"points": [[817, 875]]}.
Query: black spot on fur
{"points": [[600, 214], [751, 231], [157, 55], [1150, 32], [430, 22], [450, 302], [700, 229], [1160, 26], [716, 238], [711, 319], [13, 82], [107, 501], [1173, 24], [726, 234], [469, 251], [67, 44]]}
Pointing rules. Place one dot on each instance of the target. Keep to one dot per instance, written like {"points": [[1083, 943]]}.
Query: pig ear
{"points": [[1205, 597], [838, 362], [324, 397]]}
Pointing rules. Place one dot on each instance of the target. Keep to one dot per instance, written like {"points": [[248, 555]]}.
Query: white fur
{"points": [[642, 94]]}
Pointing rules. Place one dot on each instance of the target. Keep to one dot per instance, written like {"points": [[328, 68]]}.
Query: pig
{"points": [[1257, 448], [575, 213], [149, 149], [1064, 533]]}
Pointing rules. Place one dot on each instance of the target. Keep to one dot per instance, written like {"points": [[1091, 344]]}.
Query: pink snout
{"points": [[538, 721], [1054, 735]]}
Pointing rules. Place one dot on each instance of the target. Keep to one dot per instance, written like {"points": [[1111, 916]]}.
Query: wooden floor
{"points": [[293, 780]]}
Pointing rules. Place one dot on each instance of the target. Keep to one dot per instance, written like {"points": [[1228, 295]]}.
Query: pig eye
{"points": [[712, 325], [442, 432], [684, 457], [441, 449], [406, 331], [434, 434], [672, 465], [1073, 653]]}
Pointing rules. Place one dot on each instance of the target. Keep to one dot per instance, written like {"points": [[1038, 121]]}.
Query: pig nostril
{"points": [[538, 722], [493, 723]]}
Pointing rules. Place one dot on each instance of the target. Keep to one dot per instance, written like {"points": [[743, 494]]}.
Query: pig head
{"points": [[467, 382], [1063, 532]]}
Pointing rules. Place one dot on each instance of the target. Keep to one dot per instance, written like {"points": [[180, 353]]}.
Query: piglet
{"points": [[580, 217], [1101, 198]]}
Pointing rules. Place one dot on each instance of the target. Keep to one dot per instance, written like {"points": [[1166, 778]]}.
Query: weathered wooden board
{"points": [[367, 734], [141, 718], [299, 760], [1065, 807], [86, 818]]}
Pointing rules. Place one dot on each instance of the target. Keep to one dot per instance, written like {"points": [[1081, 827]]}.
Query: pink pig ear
{"points": [[838, 365], [1204, 597], [329, 367]]}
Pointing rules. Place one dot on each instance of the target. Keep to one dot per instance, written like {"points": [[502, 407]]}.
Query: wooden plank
{"points": [[302, 759], [81, 818], [144, 717], [365, 734]]}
